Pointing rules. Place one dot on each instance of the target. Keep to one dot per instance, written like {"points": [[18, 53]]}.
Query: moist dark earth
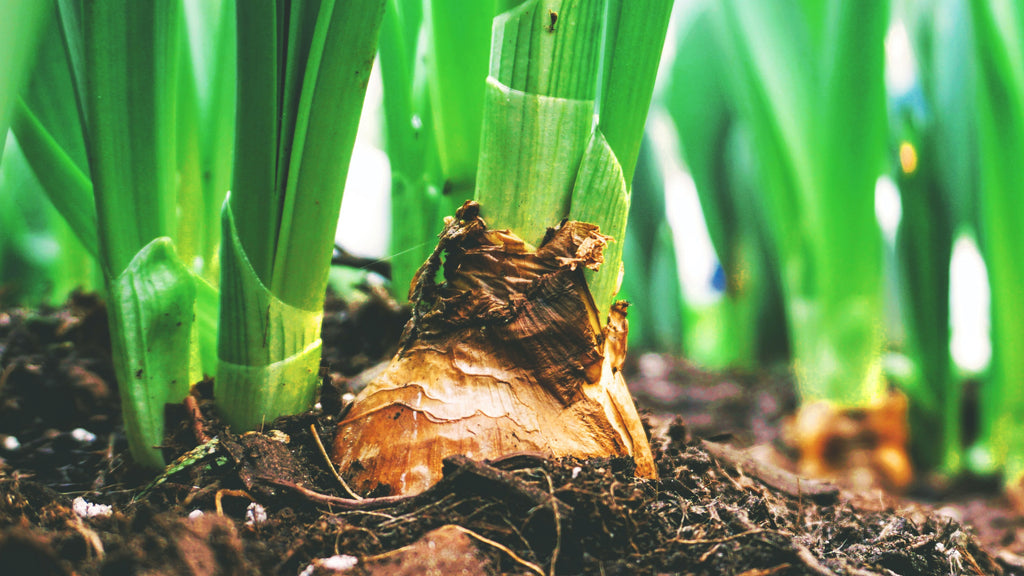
{"points": [[268, 503]]}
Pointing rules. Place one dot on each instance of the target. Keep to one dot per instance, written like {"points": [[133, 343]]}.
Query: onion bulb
{"points": [[506, 355]]}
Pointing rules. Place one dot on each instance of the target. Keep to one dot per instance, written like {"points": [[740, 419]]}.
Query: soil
{"points": [[71, 502]]}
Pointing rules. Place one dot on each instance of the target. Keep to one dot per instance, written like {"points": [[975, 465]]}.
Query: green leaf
{"points": [[21, 25], [460, 41], [65, 185], [601, 197], [334, 86], [302, 80], [999, 57], [269, 351], [130, 62], [151, 311], [515, 187], [636, 34], [817, 115]]}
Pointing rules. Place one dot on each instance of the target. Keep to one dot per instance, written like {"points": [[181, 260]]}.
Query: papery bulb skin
{"points": [[506, 355]]}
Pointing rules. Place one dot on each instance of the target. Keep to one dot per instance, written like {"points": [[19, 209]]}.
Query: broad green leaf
{"points": [[600, 196], [151, 313], [130, 59], [125, 58]]}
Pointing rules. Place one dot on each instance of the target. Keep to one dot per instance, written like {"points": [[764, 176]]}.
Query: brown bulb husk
{"points": [[506, 355]]}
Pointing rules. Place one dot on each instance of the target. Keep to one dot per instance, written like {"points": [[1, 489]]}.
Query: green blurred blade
{"points": [[151, 312], [999, 57], [809, 81], [21, 25], [66, 186]]}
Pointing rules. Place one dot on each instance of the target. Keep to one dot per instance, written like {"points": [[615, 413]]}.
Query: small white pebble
{"points": [[576, 472], [11, 443], [195, 514], [347, 398], [338, 563], [85, 509], [318, 407], [82, 435], [255, 514]]}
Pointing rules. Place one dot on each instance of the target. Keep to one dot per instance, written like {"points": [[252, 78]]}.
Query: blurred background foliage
{"points": [[856, 163]]}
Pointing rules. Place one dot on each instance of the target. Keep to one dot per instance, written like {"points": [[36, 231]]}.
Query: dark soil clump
{"points": [[268, 503]]}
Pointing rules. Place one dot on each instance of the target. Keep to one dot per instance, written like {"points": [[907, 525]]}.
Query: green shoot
{"points": [[817, 115], [999, 109], [300, 90]]}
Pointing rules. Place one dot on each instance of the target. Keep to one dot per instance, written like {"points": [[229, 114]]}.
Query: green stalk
{"points": [[118, 84], [938, 193], [717, 152], [214, 49], [542, 95], [125, 59], [999, 109], [410, 147], [434, 58], [818, 119], [636, 31], [300, 91]]}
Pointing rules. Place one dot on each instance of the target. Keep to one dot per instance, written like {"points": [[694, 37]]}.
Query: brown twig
{"points": [[558, 524], [228, 492], [196, 416], [343, 503], [811, 562], [822, 493], [323, 452], [527, 564]]}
